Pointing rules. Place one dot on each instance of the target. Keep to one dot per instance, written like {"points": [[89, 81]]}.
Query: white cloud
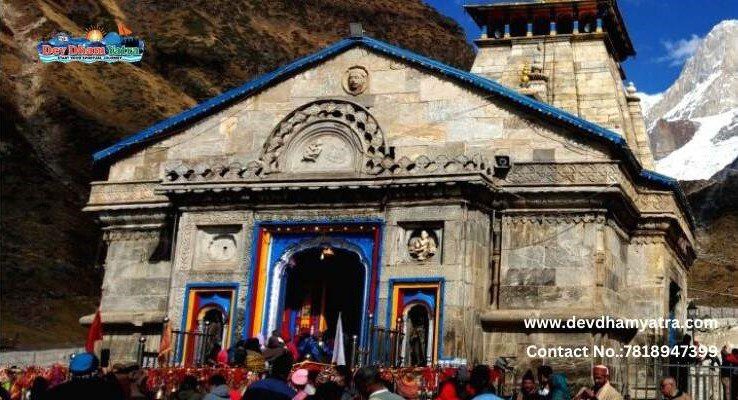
{"points": [[678, 51]]}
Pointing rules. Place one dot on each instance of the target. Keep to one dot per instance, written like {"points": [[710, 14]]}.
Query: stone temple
{"points": [[371, 181]]}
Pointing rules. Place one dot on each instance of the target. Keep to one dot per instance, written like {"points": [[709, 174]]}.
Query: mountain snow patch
{"points": [[703, 155]]}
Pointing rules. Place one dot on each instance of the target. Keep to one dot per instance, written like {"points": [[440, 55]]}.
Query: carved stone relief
{"points": [[323, 134], [324, 151], [217, 246], [221, 248], [422, 245], [356, 80], [110, 193]]}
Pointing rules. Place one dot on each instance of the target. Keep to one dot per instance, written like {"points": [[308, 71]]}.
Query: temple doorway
{"points": [[417, 312], [319, 283], [417, 333], [207, 327]]}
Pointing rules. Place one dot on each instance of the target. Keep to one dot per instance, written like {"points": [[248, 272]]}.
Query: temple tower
{"points": [[566, 53]]}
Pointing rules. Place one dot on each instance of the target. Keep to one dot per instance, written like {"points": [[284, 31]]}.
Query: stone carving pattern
{"points": [[553, 219], [221, 248], [421, 165], [312, 151], [564, 173], [345, 113], [124, 193], [324, 152], [131, 235]]}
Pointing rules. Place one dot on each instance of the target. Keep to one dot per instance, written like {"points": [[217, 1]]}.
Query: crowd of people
{"points": [[251, 354], [271, 372]]}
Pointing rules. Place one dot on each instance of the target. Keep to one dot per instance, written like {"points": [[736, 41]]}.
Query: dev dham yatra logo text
{"points": [[95, 46]]}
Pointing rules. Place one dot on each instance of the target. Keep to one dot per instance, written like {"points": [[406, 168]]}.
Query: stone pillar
{"points": [[642, 144], [136, 281]]}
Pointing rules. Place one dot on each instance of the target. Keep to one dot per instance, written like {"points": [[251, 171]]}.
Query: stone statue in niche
{"points": [[312, 151], [356, 80], [422, 246]]}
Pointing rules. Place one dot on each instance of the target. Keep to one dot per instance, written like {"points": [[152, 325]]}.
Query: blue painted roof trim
{"points": [[179, 121]]}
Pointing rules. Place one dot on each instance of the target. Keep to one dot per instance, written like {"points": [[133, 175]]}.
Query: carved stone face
{"points": [[356, 80]]}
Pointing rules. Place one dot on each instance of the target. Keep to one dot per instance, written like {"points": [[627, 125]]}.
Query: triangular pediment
{"points": [[424, 107], [497, 91]]}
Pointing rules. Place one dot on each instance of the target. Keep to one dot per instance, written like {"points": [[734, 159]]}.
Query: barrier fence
{"points": [[640, 379], [191, 348]]}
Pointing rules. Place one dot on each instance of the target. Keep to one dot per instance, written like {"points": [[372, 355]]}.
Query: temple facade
{"points": [[370, 181]]}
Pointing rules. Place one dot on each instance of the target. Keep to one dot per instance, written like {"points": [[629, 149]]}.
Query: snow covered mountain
{"points": [[693, 126]]}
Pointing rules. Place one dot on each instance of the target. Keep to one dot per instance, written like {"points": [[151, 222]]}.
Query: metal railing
{"points": [[383, 347], [189, 348], [640, 379]]}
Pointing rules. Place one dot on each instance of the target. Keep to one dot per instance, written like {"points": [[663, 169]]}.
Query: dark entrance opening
{"points": [[417, 335], [320, 283]]}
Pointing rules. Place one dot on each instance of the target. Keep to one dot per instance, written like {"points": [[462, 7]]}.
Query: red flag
{"points": [[95, 335], [165, 345]]}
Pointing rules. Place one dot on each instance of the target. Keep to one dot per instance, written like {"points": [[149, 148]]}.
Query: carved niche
{"points": [[325, 136], [422, 241], [423, 244], [217, 246]]}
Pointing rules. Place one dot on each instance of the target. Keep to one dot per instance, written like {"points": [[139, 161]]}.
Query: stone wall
{"points": [[420, 113], [547, 260], [195, 262], [137, 272], [582, 78], [40, 358], [462, 263]]}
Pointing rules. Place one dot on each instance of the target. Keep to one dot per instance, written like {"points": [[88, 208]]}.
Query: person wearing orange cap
{"points": [[602, 390]]}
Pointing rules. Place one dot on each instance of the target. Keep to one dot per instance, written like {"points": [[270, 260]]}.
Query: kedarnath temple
{"points": [[398, 191]]}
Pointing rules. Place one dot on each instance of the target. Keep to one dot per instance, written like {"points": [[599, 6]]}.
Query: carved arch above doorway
{"points": [[325, 136]]}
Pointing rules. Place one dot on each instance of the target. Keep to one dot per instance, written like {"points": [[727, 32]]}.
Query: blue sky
{"points": [[664, 33]]}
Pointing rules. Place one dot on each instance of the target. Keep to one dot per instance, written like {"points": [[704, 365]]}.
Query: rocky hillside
{"points": [[55, 115], [693, 128]]}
